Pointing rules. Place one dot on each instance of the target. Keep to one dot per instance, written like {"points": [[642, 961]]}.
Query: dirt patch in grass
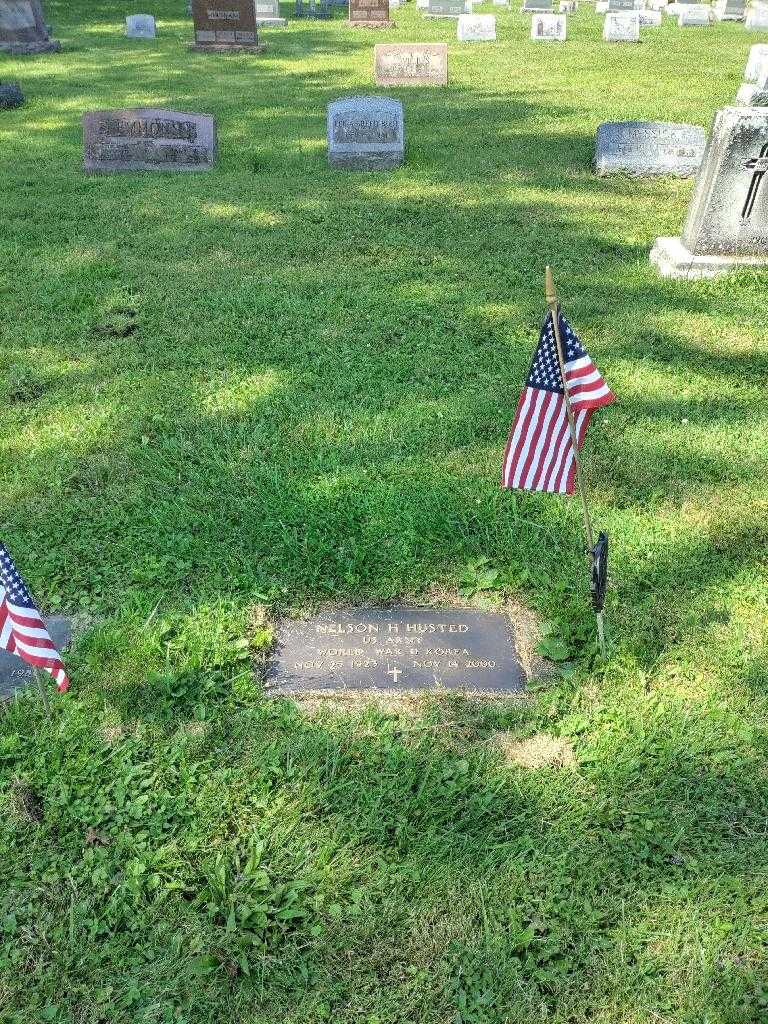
{"points": [[539, 751]]}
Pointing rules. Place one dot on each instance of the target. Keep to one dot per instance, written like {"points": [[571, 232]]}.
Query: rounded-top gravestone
{"points": [[140, 26]]}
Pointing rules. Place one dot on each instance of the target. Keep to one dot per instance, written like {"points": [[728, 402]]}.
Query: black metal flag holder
{"points": [[598, 553]]}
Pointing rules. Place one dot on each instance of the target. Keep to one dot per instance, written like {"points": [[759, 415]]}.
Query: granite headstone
{"points": [[224, 25], [536, 6], [549, 28], [476, 28], [753, 94], [366, 133], [757, 64], [694, 17], [398, 64], [23, 30], [369, 13], [268, 14], [16, 674], [646, 148], [649, 19], [621, 27], [757, 19], [140, 26], [727, 222], [397, 649], [148, 139], [447, 9]]}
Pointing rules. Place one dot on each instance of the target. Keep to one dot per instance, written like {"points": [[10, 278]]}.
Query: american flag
{"points": [[539, 454], [22, 630]]}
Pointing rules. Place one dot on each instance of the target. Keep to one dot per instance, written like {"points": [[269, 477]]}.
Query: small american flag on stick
{"points": [[22, 630], [540, 453]]}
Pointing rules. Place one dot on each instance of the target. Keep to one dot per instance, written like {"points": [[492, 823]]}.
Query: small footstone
{"points": [[398, 650], [644, 148], [16, 674]]}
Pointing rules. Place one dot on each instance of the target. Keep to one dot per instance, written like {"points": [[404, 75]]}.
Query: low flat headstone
{"points": [[757, 19], [757, 64], [223, 25], [10, 95], [397, 64], [476, 28], [727, 222], [268, 14], [622, 27], [16, 674], [23, 30], [397, 649], [369, 13], [148, 139], [694, 17], [140, 26], [621, 5], [366, 133], [447, 9], [649, 19], [646, 148], [548, 28]]}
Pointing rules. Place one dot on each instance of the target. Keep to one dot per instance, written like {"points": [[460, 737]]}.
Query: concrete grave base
{"points": [[371, 24], [272, 22], [672, 259], [30, 49], [227, 48]]}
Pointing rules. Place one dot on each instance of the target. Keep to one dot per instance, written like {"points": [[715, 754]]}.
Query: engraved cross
{"points": [[395, 673], [758, 165]]}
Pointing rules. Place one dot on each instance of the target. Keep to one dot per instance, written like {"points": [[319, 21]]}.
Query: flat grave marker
{"points": [[727, 222], [397, 649], [647, 148], [225, 25], [23, 31], [148, 139], [16, 674], [398, 64]]}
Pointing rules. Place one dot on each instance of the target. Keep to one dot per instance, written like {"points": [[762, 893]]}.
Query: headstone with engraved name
{"points": [[476, 28], [148, 139], [224, 25], [621, 5], [646, 148], [366, 133], [447, 8], [757, 19], [757, 64], [23, 30], [730, 10], [727, 222], [15, 674], [397, 64], [369, 14], [694, 17], [649, 19], [397, 649], [268, 14], [548, 28], [319, 9], [621, 27], [140, 26]]}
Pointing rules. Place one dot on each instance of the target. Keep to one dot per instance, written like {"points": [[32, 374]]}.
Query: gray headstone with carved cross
{"points": [[727, 222]]}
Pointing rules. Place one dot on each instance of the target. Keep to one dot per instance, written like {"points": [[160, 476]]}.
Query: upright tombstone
{"points": [[548, 28], [621, 27], [753, 94], [447, 8], [476, 28], [23, 30], [320, 9], [649, 19], [366, 133], [730, 10], [397, 64], [647, 148], [148, 139], [536, 6], [621, 5], [693, 16], [757, 64], [567, 6], [140, 26], [369, 14], [757, 19], [504, 3], [727, 222], [268, 14], [225, 25]]}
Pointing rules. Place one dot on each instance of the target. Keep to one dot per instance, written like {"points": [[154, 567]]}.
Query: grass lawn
{"points": [[312, 406]]}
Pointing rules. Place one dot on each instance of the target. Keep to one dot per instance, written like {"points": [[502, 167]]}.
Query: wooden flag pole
{"points": [[551, 296]]}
